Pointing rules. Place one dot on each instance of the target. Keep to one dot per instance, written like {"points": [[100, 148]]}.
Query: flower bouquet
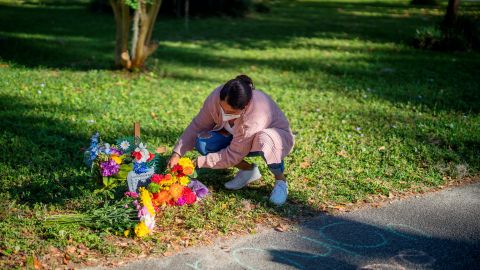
{"points": [[111, 163], [177, 186], [134, 212]]}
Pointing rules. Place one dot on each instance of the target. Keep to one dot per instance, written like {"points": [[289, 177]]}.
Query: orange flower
{"points": [[188, 170], [161, 197], [176, 191]]}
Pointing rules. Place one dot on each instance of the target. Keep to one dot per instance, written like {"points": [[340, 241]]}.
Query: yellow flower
{"points": [[126, 233], [185, 162], [117, 159], [147, 201], [141, 229], [184, 180]]}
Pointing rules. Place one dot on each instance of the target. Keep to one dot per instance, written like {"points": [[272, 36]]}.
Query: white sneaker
{"points": [[243, 178], [280, 193]]}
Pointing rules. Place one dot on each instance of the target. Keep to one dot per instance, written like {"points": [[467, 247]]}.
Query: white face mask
{"points": [[227, 116]]}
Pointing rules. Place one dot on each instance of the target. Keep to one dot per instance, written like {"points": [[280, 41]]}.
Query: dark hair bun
{"points": [[238, 92], [246, 79]]}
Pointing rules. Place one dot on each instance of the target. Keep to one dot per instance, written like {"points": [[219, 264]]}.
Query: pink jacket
{"points": [[261, 114]]}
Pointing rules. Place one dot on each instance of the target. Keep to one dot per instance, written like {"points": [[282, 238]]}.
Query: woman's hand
{"points": [[173, 160]]}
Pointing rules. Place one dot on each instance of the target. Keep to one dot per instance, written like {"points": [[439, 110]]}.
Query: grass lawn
{"points": [[372, 116]]}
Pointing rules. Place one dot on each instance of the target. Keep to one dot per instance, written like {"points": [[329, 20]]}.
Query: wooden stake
{"points": [[136, 130]]}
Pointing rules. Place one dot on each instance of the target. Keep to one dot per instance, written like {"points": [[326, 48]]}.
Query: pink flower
{"points": [[131, 194]]}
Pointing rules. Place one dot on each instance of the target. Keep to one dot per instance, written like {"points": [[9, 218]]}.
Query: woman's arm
{"points": [[201, 122], [234, 153]]}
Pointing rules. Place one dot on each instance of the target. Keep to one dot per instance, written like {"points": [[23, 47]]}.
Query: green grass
{"points": [[371, 114]]}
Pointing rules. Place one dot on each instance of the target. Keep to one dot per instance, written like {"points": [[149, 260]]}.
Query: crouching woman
{"points": [[236, 121]]}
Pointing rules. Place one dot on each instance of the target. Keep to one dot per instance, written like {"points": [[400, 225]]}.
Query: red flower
{"points": [[137, 155], [156, 178], [178, 170], [151, 156], [189, 195]]}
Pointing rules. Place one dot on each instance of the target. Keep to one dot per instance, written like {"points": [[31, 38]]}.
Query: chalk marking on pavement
{"points": [[383, 241]]}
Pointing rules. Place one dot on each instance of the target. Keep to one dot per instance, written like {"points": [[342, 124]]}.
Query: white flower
{"points": [[124, 145], [149, 220], [143, 150]]}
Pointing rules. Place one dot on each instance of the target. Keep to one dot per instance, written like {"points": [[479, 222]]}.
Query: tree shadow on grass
{"points": [[42, 157], [66, 37], [398, 76], [70, 37]]}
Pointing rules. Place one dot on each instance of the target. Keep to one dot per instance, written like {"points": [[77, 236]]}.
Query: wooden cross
{"points": [[136, 134]]}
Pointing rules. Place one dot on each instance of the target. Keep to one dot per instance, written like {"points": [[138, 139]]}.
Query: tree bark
{"points": [[451, 14], [143, 24]]}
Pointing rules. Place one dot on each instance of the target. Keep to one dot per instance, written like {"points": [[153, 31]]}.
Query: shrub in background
{"points": [[463, 35]]}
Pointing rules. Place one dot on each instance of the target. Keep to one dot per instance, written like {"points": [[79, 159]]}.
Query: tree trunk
{"points": [[143, 24], [122, 21], [451, 14]]}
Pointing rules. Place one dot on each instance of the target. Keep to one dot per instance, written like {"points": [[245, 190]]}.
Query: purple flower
{"points": [[200, 189], [109, 168], [181, 201], [115, 151], [136, 204], [142, 212]]}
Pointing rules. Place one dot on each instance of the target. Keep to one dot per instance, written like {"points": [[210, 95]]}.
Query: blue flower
{"points": [[140, 167], [94, 139], [92, 151]]}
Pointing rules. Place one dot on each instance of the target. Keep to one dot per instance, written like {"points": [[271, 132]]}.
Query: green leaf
{"points": [[153, 187]]}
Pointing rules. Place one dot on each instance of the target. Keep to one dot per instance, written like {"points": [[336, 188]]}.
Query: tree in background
{"points": [[451, 14], [142, 23]]}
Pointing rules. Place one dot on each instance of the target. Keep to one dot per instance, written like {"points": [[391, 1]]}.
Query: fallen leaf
{"points": [[66, 258], [178, 220], [247, 205], [342, 153], [304, 164], [340, 208], [281, 227], [225, 248], [71, 249]]}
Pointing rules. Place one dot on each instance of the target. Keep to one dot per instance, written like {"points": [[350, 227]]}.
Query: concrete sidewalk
{"points": [[436, 231]]}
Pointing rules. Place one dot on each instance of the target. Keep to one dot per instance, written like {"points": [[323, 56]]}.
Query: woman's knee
{"points": [[211, 141], [201, 146]]}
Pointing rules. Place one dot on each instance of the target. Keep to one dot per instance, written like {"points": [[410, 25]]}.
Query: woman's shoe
{"points": [[280, 193], [243, 178]]}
